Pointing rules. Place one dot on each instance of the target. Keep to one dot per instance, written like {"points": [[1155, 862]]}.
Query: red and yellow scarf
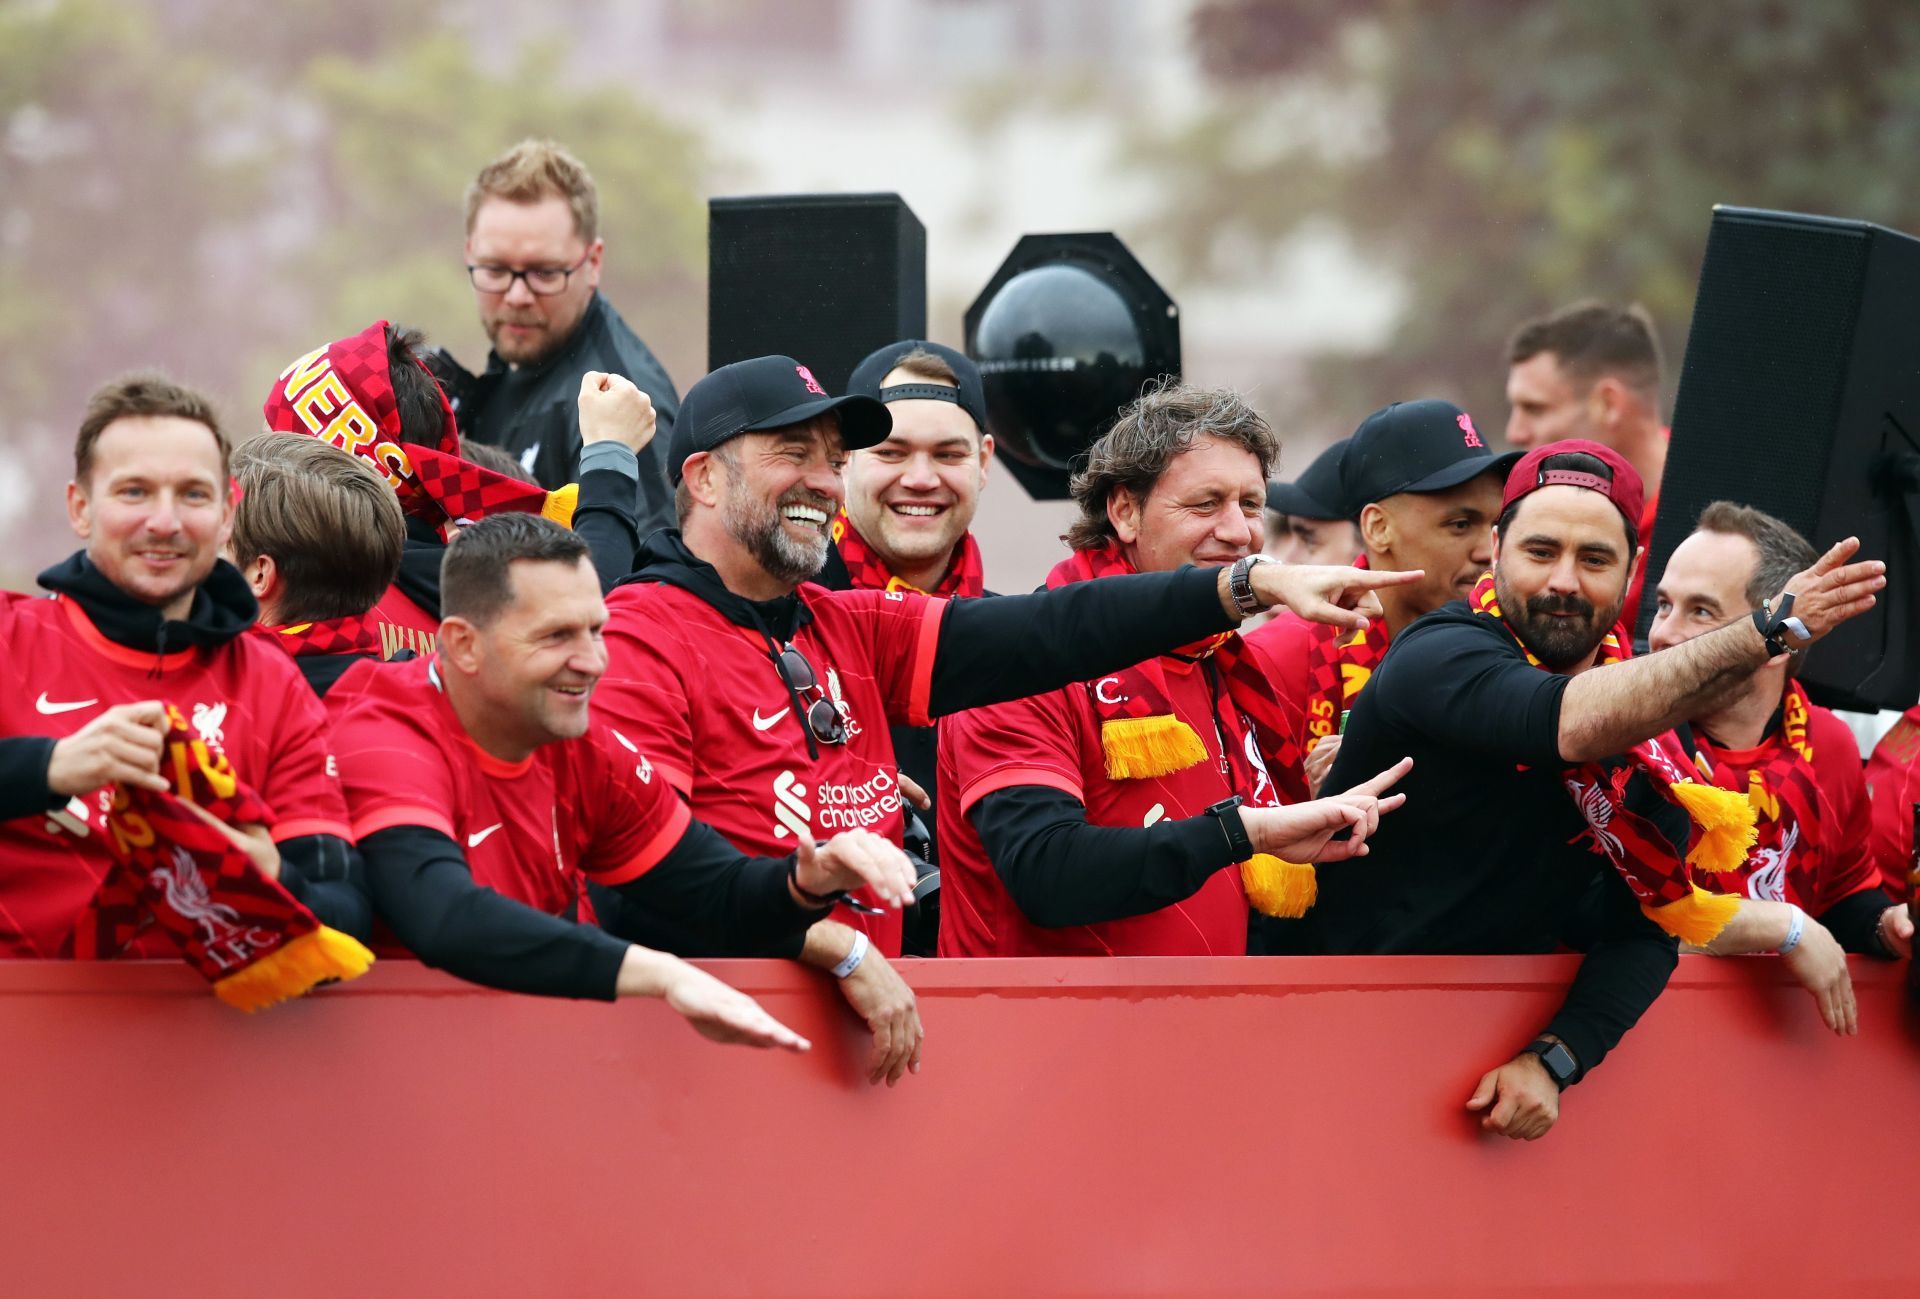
{"points": [[1141, 737], [1782, 787], [350, 635], [1656, 865], [342, 393], [1340, 662], [868, 572], [245, 934]]}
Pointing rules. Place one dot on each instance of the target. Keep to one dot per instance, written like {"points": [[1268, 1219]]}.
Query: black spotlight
{"points": [[1067, 332]]}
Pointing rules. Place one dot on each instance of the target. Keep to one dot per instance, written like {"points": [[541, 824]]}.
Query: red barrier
{"points": [[1118, 1127]]}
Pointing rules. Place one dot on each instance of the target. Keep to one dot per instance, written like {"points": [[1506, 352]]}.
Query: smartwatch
{"points": [[1561, 1066], [1227, 813], [1240, 585]]}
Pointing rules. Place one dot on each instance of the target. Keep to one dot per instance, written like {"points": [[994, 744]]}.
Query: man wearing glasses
{"points": [[764, 699], [534, 255]]}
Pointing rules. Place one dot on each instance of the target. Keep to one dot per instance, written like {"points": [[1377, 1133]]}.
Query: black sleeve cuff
{"points": [[24, 760], [1855, 922]]}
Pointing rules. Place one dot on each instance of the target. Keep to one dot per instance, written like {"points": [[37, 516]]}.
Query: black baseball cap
{"points": [[1316, 493], [766, 392], [1415, 446], [970, 396]]}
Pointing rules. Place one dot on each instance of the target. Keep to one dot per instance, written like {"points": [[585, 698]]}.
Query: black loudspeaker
{"points": [[1800, 395], [823, 278], [1067, 333]]}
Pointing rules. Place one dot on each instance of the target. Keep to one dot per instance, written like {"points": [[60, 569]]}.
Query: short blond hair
{"points": [[533, 170]]}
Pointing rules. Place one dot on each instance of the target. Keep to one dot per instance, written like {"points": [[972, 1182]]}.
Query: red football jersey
{"points": [[701, 697], [529, 829], [1811, 865], [1893, 780], [246, 695], [404, 625], [1053, 740]]}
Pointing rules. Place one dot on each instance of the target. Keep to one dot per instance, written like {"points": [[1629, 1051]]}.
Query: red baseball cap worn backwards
{"points": [[1623, 489]]}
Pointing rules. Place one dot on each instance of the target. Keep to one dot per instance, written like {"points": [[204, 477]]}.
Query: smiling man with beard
{"points": [[1549, 804], [764, 699]]}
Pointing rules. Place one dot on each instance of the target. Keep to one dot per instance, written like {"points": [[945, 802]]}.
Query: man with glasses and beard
{"points": [[1549, 803], [534, 255], [765, 699]]}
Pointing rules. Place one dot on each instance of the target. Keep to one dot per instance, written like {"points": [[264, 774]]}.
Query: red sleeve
{"points": [[903, 629], [637, 818], [301, 781], [1032, 741], [1893, 779], [1849, 867], [643, 700], [393, 771]]}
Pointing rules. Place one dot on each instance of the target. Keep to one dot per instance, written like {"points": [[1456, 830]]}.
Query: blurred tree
{"points": [[1505, 158], [215, 186]]}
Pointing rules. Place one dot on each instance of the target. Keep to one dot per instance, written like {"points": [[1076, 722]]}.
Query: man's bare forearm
{"points": [[828, 943], [1758, 926], [1608, 710]]}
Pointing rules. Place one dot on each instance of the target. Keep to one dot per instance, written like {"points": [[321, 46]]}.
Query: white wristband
{"points": [[859, 954], [1795, 927]]}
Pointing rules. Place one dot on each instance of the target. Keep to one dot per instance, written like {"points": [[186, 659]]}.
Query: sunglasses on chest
{"points": [[822, 715]]}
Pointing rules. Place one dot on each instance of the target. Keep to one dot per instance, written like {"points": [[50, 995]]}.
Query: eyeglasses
{"points": [[823, 717], [544, 281]]}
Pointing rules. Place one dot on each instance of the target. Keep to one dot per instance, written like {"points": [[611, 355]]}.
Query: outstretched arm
{"points": [[1610, 709]]}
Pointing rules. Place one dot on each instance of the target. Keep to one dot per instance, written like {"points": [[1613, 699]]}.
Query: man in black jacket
{"points": [[534, 255], [1537, 811]]}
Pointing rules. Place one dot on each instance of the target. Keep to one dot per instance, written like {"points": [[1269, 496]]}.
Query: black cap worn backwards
{"points": [[1316, 493], [1415, 446], [766, 392], [970, 396]]}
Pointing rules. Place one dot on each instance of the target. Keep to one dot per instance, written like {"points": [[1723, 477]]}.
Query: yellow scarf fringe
{"points": [[1140, 747], [293, 969], [1275, 887], [1696, 919], [560, 504], [1726, 825]]}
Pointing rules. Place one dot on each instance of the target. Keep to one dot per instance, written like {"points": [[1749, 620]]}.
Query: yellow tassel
{"points": [[1138, 747], [1726, 825], [1279, 888], [1697, 919], [295, 968], [560, 504]]}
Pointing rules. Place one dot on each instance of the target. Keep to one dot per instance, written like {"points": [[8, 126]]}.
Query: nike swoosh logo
{"points": [[48, 708], [475, 840], [762, 723]]}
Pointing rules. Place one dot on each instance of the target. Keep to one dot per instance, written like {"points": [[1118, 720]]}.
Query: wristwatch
{"points": [[1772, 618], [1561, 1066], [1240, 585], [1227, 813]]}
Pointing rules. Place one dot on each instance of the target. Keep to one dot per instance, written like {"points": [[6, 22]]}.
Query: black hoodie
{"points": [[323, 871]]}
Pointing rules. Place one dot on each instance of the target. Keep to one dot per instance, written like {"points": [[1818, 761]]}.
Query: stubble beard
{"points": [[758, 526]]}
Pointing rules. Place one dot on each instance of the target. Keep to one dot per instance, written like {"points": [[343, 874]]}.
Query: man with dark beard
{"points": [[1546, 806], [764, 699]]}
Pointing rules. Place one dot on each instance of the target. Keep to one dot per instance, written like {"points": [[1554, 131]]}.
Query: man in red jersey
{"points": [[1809, 888], [372, 395], [1424, 491], [764, 699], [147, 615], [317, 534], [482, 808], [1893, 783], [1102, 818]]}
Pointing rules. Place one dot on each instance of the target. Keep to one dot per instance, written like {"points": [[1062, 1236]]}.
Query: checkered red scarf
{"points": [[350, 635], [869, 572], [1644, 841], [1142, 737], [245, 934], [1782, 787], [1339, 665], [342, 393]]}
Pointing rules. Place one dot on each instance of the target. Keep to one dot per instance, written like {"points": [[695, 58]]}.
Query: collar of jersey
{"points": [[489, 764]]}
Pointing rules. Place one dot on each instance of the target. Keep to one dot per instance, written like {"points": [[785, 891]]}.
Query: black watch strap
{"points": [[1774, 619], [1240, 585], [1559, 1061], [1227, 813]]}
